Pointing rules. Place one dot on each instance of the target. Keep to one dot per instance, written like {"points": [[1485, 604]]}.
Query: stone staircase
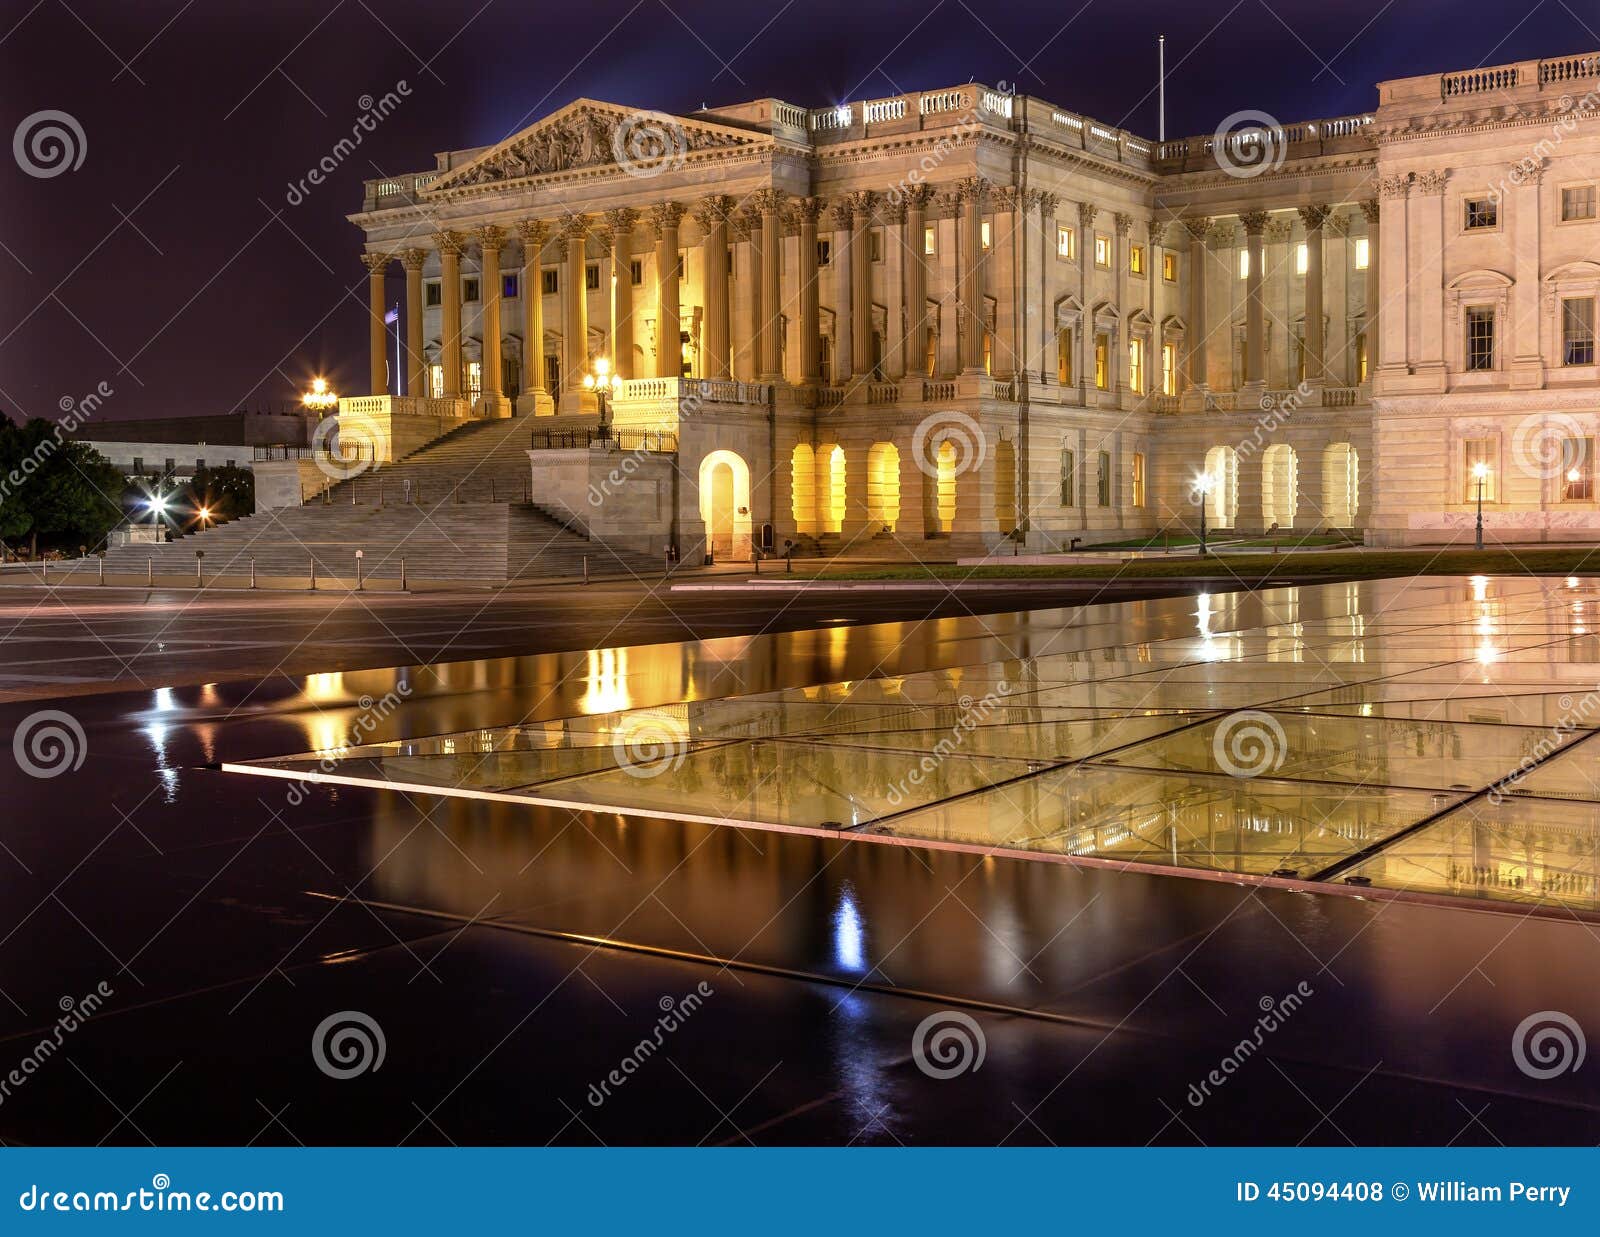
{"points": [[467, 520]]}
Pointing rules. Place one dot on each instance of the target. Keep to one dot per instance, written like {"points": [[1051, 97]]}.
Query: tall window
{"points": [[1169, 266], [1102, 479], [1102, 249], [1361, 357], [1136, 366], [1577, 202], [1244, 263], [983, 230], [1069, 477], [1138, 478], [432, 293], [1480, 213], [1064, 356], [988, 352], [1302, 258], [1136, 259], [875, 244], [933, 353], [1476, 452], [591, 275], [1480, 337], [550, 282], [436, 381], [1169, 369], [1577, 330], [552, 373], [474, 380], [508, 286], [636, 272], [1577, 470], [1102, 362], [824, 252], [930, 240], [469, 290], [1066, 243], [1363, 252]]}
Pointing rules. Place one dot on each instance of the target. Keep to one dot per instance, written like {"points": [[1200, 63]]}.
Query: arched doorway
{"points": [[803, 487], [1222, 504], [725, 504], [1341, 485], [831, 478], [883, 485], [1280, 486], [945, 484]]}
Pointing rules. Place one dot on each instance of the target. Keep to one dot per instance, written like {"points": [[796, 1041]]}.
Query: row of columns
{"points": [[1315, 219]]}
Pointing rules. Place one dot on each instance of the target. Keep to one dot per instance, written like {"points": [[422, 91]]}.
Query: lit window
{"points": [[432, 293], [1363, 252], [985, 230], [932, 357], [1478, 466], [1138, 478], [1480, 214], [1480, 338], [1577, 470], [436, 381], [988, 352], [1577, 202], [1102, 249], [1102, 362], [930, 240], [1064, 356], [1169, 369], [469, 290], [1102, 480], [1136, 366], [1302, 258], [1244, 264], [1136, 259], [1069, 477], [1169, 267], [1361, 357], [1066, 244], [1577, 330], [474, 380]]}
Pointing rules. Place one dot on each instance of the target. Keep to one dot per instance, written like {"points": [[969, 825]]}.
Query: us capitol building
{"points": [[935, 323]]}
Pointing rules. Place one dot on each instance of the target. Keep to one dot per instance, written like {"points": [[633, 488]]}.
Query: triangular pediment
{"points": [[588, 134]]}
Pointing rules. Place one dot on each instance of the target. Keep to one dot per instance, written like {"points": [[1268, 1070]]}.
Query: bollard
{"points": [[666, 562], [755, 555], [150, 571], [252, 573], [491, 489], [352, 493], [586, 569], [44, 571], [313, 575], [197, 580], [102, 569], [359, 557], [402, 575]]}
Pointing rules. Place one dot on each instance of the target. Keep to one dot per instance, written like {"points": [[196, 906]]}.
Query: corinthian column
{"points": [[617, 233], [664, 220], [894, 248], [1369, 208], [450, 245], [916, 277], [492, 400], [1255, 224], [844, 358], [861, 203], [1195, 329], [807, 212], [416, 358], [712, 216], [575, 315], [1316, 362], [769, 202], [377, 336], [535, 398], [974, 195]]}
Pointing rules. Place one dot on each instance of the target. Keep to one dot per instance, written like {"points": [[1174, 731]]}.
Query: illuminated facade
{"points": [[931, 323]]}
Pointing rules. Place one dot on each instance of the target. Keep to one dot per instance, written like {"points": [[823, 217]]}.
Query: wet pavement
{"points": [[540, 975]]}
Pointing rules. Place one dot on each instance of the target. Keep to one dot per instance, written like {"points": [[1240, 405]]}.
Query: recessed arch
{"points": [[725, 503], [1280, 485]]}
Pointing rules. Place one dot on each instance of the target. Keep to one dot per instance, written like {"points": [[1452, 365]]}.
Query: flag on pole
{"points": [[393, 316]]}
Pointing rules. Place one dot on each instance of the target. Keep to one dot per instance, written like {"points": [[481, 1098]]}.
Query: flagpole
{"points": [[397, 349], [1161, 51]]}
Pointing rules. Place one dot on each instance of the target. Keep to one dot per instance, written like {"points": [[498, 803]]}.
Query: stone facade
{"points": [[938, 322]]}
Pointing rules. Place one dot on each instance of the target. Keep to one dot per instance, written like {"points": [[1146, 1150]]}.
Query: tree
{"points": [[55, 490], [227, 493]]}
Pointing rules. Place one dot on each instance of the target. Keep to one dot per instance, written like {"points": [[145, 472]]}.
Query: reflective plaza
{"points": [[1426, 737]]}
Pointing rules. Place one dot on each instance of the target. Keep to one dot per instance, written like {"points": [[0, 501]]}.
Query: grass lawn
{"points": [[1233, 568], [1178, 541]]}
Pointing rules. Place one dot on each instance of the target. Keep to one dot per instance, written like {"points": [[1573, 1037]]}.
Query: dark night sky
{"points": [[170, 267]]}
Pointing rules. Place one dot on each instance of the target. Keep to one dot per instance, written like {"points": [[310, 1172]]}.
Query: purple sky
{"points": [[170, 267]]}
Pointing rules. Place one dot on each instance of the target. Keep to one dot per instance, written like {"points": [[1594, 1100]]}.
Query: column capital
{"points": [[665, 217], [714, 210], [1395, 186], [413, 259], [620, 221], [376, 263], [534, 232], [1047, 204], [1124, 223], [741, 222], [1369, 208], [810, 208], [1254, 221], [973, 189], [917, 197], [1196, 226], [490, 236], [1156, 232], [573, 226], [1314, 216], [768, 201], [894, 209], [1086, 214], [1431, 183], [861, 202], [1339, 224], [452, 243], [842, 213], [1278, 231]]}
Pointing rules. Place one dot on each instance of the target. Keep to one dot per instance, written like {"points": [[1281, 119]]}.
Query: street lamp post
{"points": [[1480, 471], [1202, 487], [603, 382]]}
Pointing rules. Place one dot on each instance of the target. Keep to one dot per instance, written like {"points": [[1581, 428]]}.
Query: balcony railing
{"points": [[624, 439]]}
